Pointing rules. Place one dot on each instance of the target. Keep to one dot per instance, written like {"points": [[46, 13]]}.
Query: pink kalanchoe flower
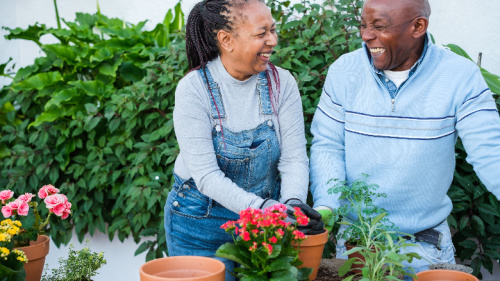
{"points": [[6, 195], [273, 239], [47, 190], [7, 211], [26, 197], [246, 236], [53, 200]]}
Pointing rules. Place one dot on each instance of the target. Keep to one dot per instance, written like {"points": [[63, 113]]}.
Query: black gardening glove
{"points": [[315, 225]]}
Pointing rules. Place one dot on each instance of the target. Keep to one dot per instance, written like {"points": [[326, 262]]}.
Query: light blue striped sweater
{"points": [[406, 145]]}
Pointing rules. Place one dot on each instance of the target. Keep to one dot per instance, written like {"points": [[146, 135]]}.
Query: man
{"points": [[393, 110]]}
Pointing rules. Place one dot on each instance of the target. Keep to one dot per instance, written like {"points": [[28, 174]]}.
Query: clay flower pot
{"points": [[36, 252], [193, 268], [355, 268], [311, 251], [444, 275]]}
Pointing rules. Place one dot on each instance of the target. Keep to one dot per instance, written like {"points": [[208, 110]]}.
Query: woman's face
{"points": [[252, 41]]}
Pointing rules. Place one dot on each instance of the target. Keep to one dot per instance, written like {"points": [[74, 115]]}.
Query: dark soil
{"points": [[329, 270]]}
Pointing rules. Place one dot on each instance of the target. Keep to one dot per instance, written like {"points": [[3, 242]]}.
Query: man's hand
{"points": [[326, 216]]}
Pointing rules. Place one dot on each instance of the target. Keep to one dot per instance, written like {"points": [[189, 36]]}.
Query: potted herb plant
{"points": [[31, 239], [382, 256], [358, 212], [263, 245], [80, 265]]}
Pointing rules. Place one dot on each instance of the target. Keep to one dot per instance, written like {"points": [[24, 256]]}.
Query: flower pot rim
{"points": [[40, 240], [316, 239], [190, 259], [448, 272]]}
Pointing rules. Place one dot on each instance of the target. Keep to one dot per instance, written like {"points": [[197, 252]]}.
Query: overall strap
{"points": [[214, 94], [263, 91]]}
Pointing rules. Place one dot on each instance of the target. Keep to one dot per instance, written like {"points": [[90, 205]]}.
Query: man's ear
{"points": [[225, 40], [420, 27]]}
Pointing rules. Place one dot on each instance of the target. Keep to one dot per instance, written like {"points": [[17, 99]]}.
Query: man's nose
{"points": [[367, 34]]}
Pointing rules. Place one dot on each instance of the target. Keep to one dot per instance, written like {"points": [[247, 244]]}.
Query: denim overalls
{"points": [[249, 158]]}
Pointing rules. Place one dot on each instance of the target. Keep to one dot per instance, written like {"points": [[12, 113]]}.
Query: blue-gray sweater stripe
{"points": [[402, 117], [484, 109], [329, 116], [331, 98], [485, 90], [400, 137]]}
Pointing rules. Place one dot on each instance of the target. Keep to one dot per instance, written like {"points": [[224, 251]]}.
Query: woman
{"points": [[239, 124]]}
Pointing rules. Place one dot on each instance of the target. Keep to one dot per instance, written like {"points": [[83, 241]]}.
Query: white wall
{"points": [[471, 24]]}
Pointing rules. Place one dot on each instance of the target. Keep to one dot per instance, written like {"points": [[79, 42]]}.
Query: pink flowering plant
{"points": [[265, 246], [25, 209]]}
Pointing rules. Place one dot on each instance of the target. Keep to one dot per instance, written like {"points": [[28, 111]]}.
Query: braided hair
{"points": [[204, 21]]}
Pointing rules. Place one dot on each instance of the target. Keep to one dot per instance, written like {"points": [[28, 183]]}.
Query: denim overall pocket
{"points": [[187, 201]]}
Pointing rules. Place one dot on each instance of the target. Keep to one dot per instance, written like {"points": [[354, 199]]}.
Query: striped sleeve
{"points": [[478, 125], [327, 150]]}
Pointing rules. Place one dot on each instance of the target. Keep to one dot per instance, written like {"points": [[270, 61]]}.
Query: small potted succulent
{"points": [[80, 265]]}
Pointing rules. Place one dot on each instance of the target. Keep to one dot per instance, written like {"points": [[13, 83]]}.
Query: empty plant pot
{"points": [[183, 268], [444, 275]]}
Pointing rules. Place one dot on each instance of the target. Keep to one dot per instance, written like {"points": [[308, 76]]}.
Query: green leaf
{"points": [[346, 267], [468, 244], [478, 224], [38, 81], [91, 88], [280, 263], [232, 252]]}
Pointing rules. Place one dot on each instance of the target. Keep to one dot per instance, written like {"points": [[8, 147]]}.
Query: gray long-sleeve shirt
{"points": [[193, 128]]}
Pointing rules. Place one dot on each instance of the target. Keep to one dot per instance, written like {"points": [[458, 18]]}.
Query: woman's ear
{"points": [[225, 40], [420, 27]]}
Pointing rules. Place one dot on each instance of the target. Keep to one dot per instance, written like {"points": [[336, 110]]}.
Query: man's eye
{"points": [[362, 26], [379, 27]]}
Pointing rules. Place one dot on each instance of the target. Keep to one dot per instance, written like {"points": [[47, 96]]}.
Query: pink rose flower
{"points": [[47, 190], [6, 211], [53, 200], [26, 197], [6, 195]]}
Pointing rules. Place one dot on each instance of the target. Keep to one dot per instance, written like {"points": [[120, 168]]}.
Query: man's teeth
{"points": [[266, 55], [377, 50]]}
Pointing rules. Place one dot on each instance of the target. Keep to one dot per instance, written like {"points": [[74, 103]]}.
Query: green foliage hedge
{"points": [[94, 117]]}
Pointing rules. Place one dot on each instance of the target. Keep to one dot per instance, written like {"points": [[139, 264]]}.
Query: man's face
{"points": [[386, 28]]}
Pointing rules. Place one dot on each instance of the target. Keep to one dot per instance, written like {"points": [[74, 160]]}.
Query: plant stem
{"points": [[44, 224], [57, 15]]}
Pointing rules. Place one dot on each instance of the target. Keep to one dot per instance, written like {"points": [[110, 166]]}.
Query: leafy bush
{"points": [[80, 122]]}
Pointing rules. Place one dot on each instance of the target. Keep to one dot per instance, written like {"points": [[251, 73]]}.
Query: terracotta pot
{"points": [[355, 268], [183, 268], [444, 275], [311, 251], [36, 252]]}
